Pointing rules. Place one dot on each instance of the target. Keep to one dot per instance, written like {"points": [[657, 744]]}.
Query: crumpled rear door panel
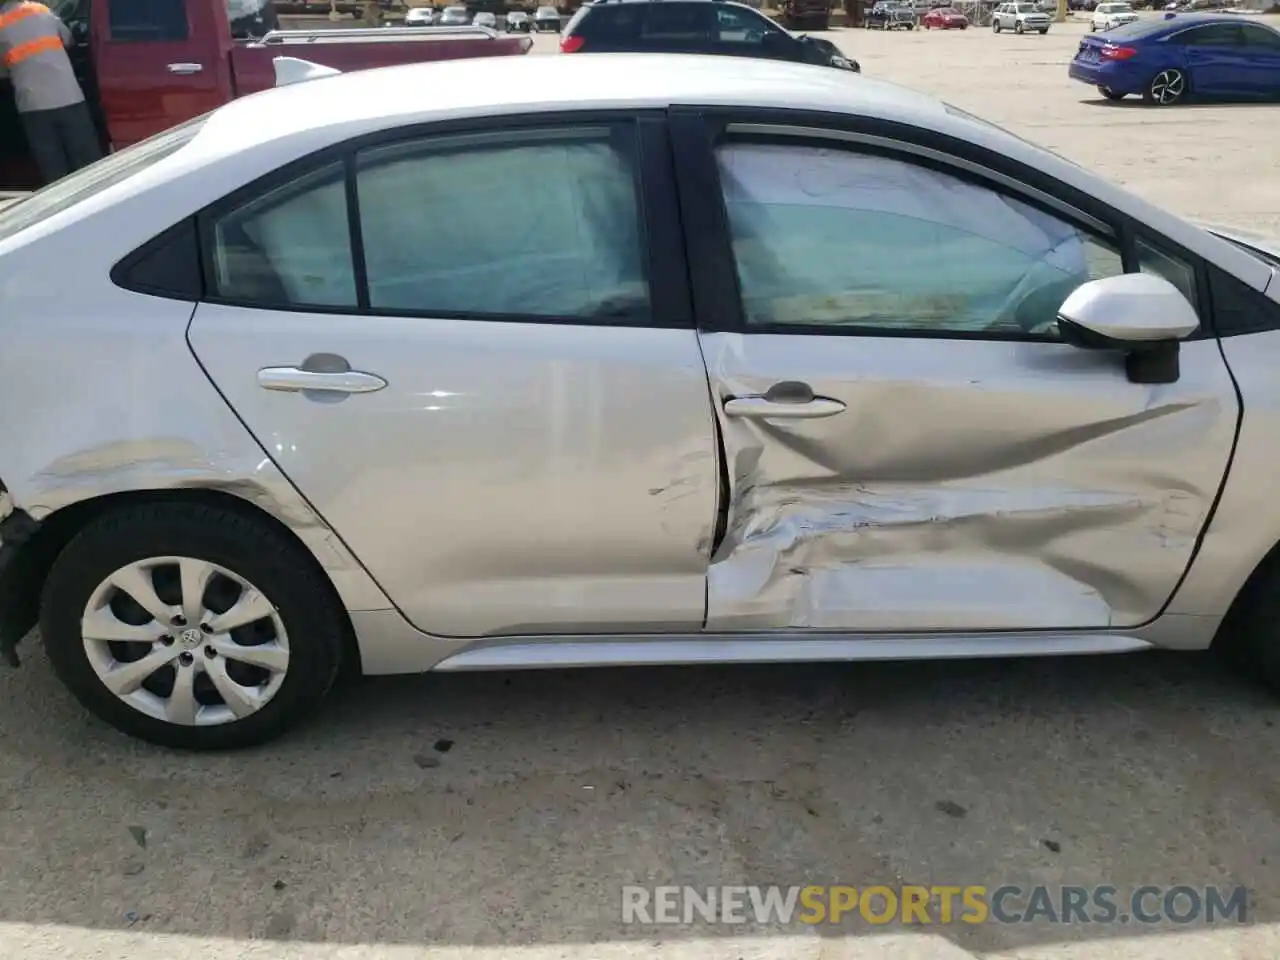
{"points": [[968, 485]]}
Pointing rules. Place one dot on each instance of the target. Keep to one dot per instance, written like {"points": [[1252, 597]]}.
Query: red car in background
{"points": [[944, 18]]}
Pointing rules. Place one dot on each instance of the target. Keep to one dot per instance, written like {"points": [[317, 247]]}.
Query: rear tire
{"points": [[995, 26], [255, 569], [1111, 94]]}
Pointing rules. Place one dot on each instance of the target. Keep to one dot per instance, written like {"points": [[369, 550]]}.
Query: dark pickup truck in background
{"points": [[146, 65]]}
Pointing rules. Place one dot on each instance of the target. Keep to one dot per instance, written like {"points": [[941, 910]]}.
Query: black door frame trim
{"points": [[661, 238]]}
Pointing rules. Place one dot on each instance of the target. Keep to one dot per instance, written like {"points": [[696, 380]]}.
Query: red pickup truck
{"points": [[146, 65]]}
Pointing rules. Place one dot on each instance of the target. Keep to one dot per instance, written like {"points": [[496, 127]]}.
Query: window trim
{"points": [[717, 294], [1178, 35], [660, 239]]}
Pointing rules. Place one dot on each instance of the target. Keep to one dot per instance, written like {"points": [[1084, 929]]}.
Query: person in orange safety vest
{"points": [[55, 117]]}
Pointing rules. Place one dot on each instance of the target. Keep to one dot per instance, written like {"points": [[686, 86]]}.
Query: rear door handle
{"points": [[758, 408], [185, 69], [789, 399], [297, 380]]}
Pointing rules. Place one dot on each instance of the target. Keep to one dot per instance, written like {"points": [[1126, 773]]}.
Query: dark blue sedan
{"points": [[1172, 56]]}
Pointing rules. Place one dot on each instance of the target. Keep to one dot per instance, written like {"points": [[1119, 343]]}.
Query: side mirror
{"points": [[1143, 316]]}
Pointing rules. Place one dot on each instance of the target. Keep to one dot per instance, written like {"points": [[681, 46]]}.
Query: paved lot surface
{"points": [[493, 816]]}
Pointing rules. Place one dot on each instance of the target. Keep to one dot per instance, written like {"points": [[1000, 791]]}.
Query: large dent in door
{"points": [[896, 515]]}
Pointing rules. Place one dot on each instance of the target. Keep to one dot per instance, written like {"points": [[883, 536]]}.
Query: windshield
{"points": [[91, 180], [1025, 8]]}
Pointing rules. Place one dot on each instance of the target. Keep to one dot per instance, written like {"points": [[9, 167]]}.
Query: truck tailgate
{"points": [[348, 50]]}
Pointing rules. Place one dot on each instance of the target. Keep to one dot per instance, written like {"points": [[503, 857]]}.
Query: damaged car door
{"points": [[910, 444]]}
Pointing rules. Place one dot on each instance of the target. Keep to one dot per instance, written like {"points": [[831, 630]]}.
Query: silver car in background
{"points": [[1021, 17], [517, 21], [454, 17], [931, 391], [547, 18], [419, 17]]}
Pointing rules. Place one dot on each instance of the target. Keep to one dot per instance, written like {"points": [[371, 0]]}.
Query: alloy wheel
{"points": [[1168, 87], [185, 641]]}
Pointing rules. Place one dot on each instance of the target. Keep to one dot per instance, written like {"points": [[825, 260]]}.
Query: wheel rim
{"points": [[185, 641], [1168, 86]]}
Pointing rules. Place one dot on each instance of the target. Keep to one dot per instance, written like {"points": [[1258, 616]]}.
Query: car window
{"points": [[678, 21], [740, 26], [1213, 35], [1257, 36], [290, 247], [536, 224], [147, 20], [617, 24], [835, 239]]}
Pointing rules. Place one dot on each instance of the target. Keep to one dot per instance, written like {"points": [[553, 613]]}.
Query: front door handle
{"points": [[789, 399], [297, 380], [186, 69]]}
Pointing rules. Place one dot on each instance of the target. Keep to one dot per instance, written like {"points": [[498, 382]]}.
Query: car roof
{"points": [[257, 135], [1171, 21], [374, 99]]}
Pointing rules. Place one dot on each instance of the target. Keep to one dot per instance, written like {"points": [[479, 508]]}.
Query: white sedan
{"points": [[1107, 16], [931, 391]]}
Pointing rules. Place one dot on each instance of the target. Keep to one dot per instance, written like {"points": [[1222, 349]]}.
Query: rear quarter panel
{"points": [[100, 390]]}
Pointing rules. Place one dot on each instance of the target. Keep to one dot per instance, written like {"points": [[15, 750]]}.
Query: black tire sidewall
{"points": [[249, 548]]}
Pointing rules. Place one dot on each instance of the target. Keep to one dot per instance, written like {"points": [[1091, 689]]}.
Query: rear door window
{"points": [[147, 20], [1213, 35], [607, 24], [684, 22], [450, 227]]}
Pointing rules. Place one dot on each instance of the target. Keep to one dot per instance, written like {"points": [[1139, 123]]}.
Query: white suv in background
{"points": [[1020, 18], [1108, 15]]}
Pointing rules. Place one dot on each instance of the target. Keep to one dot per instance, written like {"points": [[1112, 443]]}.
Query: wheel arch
{"points": [[1244, 595], [45, 541]]}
